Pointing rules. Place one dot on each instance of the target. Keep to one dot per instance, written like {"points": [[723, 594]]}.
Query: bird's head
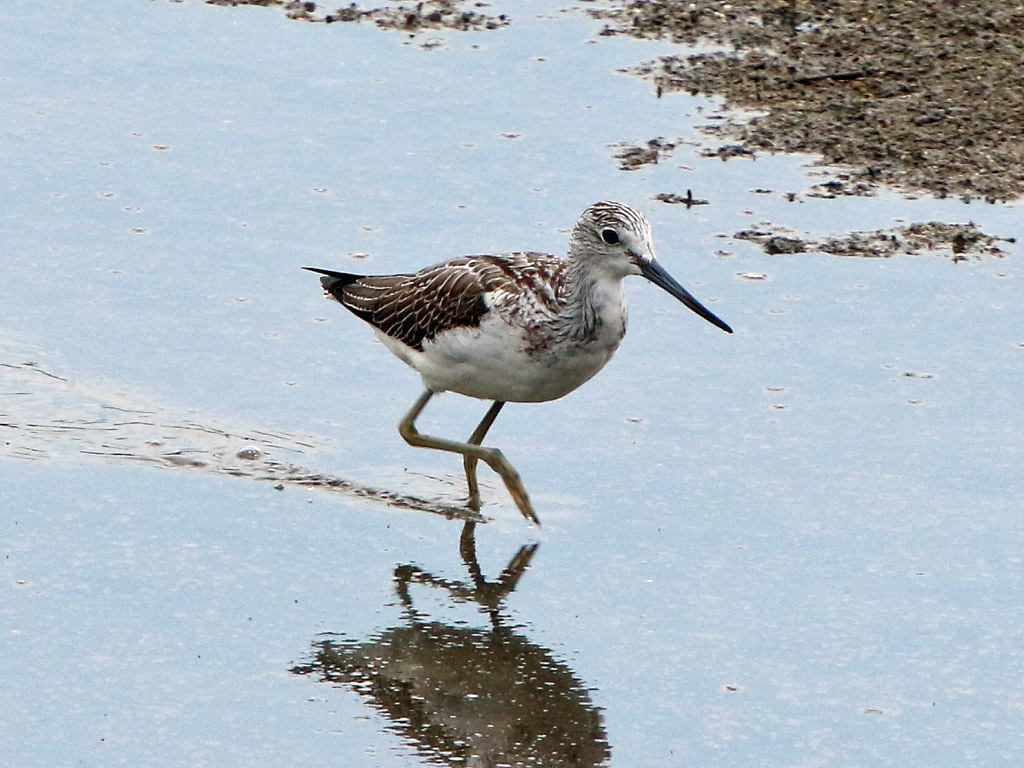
{"points": [[616, 239]]}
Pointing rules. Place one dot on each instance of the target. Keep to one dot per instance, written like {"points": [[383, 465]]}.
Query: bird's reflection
{"points": [[468, 696]]}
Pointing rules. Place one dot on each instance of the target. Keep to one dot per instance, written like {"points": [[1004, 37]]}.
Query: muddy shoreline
{"points": [[925, 96]]}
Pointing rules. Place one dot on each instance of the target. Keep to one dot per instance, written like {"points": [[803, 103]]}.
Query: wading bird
{"points": [[515, 327]]}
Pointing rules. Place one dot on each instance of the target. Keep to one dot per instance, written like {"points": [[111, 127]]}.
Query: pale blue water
{"points": [[783, 512]]}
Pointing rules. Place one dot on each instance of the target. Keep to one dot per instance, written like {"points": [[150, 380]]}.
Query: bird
{"points": [[521, 327]]}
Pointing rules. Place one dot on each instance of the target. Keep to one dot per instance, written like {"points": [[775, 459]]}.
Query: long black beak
{"points": [[656, 273]]}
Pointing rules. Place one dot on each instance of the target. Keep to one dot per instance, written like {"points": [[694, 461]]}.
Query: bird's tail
{"points": [[333, 282]]}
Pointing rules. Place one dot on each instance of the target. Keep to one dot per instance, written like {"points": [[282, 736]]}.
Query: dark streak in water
{"points": [[58, 418]]}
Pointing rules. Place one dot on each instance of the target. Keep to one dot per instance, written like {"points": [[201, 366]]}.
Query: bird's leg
{"points": [[470, 461], [491, 456]]}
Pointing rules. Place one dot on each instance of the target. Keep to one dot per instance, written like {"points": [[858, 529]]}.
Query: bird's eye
{"points": [[610, 236]]}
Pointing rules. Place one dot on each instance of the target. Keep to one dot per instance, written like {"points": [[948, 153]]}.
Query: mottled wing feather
{"points": [[416, 308], [423, 305]]}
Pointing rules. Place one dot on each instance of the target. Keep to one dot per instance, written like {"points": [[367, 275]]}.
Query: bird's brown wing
{"points": [[416, 308]]}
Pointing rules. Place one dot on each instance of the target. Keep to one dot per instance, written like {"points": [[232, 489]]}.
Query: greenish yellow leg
{"points": [[471, 453]]}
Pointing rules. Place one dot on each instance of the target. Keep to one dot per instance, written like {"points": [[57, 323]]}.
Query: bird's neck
{"points": [[598, 310]]}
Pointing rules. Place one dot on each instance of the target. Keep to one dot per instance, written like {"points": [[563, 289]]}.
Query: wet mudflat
{"points": [[797, 544], [925, 95]]}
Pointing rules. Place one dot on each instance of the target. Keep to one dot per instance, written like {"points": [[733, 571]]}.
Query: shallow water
{"points": [[797, 544]]}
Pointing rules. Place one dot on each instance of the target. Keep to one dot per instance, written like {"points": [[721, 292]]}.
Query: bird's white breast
{"points": [[514, 358]]}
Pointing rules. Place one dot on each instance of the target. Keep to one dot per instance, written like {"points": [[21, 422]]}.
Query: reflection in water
{"points": [[468, 696]]}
